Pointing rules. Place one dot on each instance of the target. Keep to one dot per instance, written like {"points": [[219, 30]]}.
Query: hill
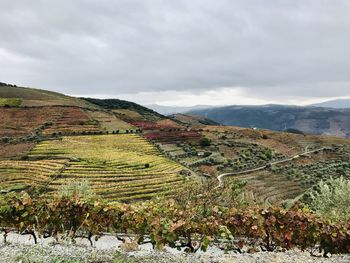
{"points": [[313, 120], [49, 141], [125, 107], [337, 104], [127, 152], [37, 97], [192, 120]]}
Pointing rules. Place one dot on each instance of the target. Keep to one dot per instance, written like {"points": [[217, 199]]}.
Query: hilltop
{"points": [[338, 104], [12, 95]]}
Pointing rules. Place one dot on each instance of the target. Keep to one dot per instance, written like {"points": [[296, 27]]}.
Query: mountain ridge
{"points": [[308, 119]]}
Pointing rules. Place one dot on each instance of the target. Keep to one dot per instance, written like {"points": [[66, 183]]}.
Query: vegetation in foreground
{"points": [[331, 199], [196, 218]]}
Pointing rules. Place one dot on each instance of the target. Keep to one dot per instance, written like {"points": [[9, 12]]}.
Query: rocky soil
{"points": [[109, 249]]}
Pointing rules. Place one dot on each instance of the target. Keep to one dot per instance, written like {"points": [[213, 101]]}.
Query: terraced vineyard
{"points": [[121, 167], [266, 187], [10, 102], [68, 120], [19, 175], [238, 150], [109, 122], [169, 137]]}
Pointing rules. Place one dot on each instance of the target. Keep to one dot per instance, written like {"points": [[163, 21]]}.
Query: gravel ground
{"points": [[21, 249]]}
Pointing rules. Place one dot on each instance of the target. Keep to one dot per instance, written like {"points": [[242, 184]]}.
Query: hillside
{"points": [[123, 168], [192, 120], [337, 104], [115, 104], [312, 120], [49, 141], [21, 96], [128, 152]]}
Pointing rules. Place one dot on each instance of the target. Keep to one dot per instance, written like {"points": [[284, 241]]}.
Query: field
{"points": [[69, 120], [36, 97], [20, 175], [13, 102], [118, 167], [57, 120], [109, 122], [173, 136], [10, 150]]}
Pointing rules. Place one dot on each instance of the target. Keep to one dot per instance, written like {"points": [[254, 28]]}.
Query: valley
{"points": [[100, 166], [126, 152]]}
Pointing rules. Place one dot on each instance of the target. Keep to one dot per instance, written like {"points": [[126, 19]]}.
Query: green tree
{"points": [[204, 142], [331, 199]]}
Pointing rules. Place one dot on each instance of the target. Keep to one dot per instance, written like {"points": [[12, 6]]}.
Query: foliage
{"points": [[122, 104], [119, 167], [7, 102], [331, 199], [192, 222], [204, 142], [77, 188]]}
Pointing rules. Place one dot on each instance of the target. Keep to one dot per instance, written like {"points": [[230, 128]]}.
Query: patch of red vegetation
{"points": [[18, 122], [146, 125], [160, 125], [173, 136]]}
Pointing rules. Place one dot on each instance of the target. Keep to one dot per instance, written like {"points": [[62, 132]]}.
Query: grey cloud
{"points": [[270, 48]]}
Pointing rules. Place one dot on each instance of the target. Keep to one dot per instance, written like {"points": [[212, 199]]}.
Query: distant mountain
{"points": [[167, 110], [337, 104], [313, 120]]}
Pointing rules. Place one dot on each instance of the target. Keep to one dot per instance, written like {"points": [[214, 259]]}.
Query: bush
{"points": [[5, 139], [204, 142], [79, 189], [331, 200]]}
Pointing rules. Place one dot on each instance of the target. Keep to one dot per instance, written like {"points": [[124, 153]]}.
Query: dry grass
{"points": [[109, 122], [13, 150], [36, 97]]}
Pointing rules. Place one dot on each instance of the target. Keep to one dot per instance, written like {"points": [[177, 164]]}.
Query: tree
{"points": [[204, 142], [331, 199]]}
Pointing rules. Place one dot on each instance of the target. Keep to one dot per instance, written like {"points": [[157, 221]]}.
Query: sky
{"points": [[179, 53]]}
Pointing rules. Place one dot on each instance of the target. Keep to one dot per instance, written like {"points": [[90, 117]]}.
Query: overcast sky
{"points": [[179, 52]]}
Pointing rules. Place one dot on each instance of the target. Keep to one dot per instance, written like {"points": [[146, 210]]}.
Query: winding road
{"points": [[296, 156]]}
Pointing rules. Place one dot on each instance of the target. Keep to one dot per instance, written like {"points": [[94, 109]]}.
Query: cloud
{"points": [[214, 97], [269, 50]]}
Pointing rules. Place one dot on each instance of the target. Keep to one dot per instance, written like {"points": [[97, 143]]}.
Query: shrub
{"points": [[79, 189], [331, 200], [5, 139], [204, 142]]}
